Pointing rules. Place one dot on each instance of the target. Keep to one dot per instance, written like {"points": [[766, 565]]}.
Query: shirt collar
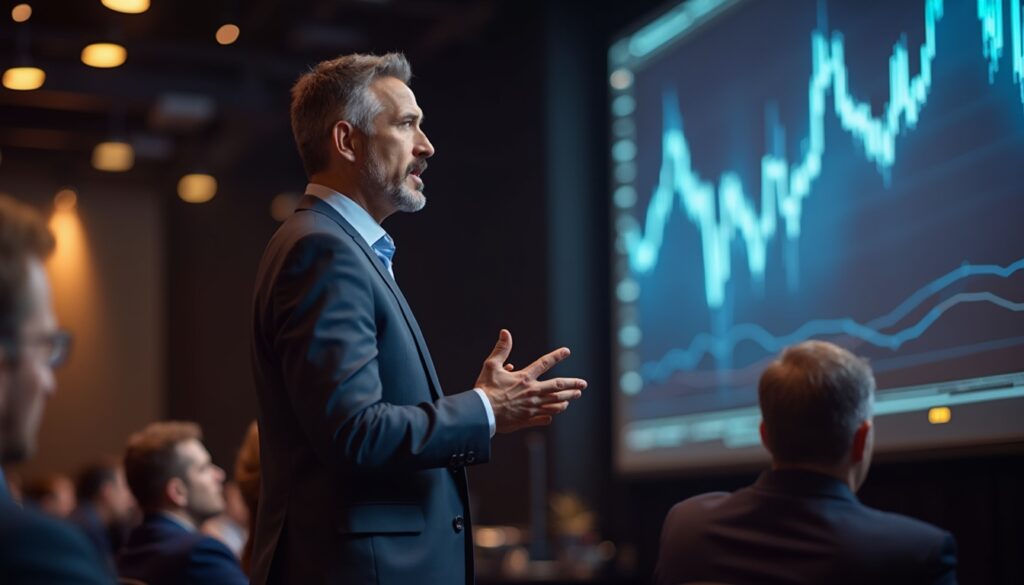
{"points": [[353, 213]]}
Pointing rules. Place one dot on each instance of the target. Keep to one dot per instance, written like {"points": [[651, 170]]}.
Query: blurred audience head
{"points": [[102, 484], [816, 402], [170, 471], [53, 493], [247, 477], [30, 343]]}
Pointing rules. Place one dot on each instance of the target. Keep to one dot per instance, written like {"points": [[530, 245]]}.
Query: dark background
{"points": [[514, 235]]}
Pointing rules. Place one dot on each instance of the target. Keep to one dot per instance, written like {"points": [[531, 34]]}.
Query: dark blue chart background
{"points": [[954, 195]]}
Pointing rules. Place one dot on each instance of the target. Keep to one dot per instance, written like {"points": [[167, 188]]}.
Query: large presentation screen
{"points": [[845, 170]]}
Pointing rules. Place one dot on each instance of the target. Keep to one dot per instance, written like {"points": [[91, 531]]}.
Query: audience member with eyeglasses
{"points": [[33, 547]]}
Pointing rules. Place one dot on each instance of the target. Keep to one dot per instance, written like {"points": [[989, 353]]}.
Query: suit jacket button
{"points": [[458, 524], [470, 458]]}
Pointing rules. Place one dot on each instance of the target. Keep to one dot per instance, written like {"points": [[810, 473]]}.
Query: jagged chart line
{"points": [[784, 187], [703, 344]]}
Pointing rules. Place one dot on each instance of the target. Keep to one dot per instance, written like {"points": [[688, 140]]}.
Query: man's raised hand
{"points": [[519, 398]]}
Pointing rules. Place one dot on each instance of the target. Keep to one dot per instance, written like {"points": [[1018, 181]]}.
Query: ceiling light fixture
{"points": [[104, 55], [228, 34], [24, 78], [127, 6]]}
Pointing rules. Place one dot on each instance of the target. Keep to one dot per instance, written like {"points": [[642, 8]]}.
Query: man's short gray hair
{"points": [[334, 90], [813, 398]]}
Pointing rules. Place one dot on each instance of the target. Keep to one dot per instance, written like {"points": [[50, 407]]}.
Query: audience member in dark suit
{"points": [[801, 522], [362, 453], [105, 507], [33, 548], [178, 487]]}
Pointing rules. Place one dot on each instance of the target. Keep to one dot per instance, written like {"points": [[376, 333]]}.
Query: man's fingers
{"points": [[537, 421], [553, 408], [502, 348], [509, 368], [562, 396], [546, 362], [559, 384]]}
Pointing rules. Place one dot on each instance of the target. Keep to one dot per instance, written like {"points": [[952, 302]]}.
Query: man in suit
{"points": [[801, 522], [362, 453], [178, 487], [33, 547]]}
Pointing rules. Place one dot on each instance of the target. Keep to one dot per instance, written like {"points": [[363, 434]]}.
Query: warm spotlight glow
{"points": [[115, 157], [939, 415], [104, 55], [228, 34], [24, 78], [70, 258], [282, 205], [65, 200], [21, 13], [127, 6], [197, 188]]}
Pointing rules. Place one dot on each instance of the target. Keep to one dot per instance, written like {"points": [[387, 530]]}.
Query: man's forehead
{"points": [[194, 451], [395, 95]]}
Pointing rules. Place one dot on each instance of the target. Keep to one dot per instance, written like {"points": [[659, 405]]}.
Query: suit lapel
{"points": [[312, 203]]}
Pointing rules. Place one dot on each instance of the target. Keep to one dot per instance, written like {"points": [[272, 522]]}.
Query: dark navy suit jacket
{"points": [[362, 454], [38, 550], [162, 552], [798, 527]]}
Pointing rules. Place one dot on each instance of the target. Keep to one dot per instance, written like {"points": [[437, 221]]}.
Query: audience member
{"points": [[801, 522], [33, 547], [51, 493], [247, 475], [177, 487], [105, 507]]}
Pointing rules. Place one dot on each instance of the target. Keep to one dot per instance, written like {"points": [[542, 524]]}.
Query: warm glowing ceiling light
{"points": [[66, 199], [21, 13], [104, 55], [197, 188], [24, 78], [127, 6], [115, 157], [228, 34]]}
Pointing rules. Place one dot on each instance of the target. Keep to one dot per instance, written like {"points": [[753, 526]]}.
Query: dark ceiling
{"points": [[185, 102]]}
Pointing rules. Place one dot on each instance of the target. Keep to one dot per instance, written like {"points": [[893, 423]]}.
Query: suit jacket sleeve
{"points": [[325, 334]]}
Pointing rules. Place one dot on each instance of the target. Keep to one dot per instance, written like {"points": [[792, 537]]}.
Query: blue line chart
{"points": [[723, 213], [871, 332]]}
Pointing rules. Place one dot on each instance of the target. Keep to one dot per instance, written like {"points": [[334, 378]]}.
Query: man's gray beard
{"points": [[398, 194]]}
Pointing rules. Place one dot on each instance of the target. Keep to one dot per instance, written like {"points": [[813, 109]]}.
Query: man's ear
{"points": [[345, 139], [860, 441], [764, 437], [176, 491]]}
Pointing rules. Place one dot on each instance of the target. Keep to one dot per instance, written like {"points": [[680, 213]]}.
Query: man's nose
{"points": [[424, 148]]}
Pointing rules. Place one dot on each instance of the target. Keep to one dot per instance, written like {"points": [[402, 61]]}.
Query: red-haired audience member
{"points": [[801, 522], [178, 488], [33, 547], [105, 507], [51, 493], [247, 475]]}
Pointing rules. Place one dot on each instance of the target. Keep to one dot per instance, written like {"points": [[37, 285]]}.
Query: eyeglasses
{"points": [[56, 346]]}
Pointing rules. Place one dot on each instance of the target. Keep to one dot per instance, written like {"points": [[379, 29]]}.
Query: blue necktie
{"points": [[385, 250]]}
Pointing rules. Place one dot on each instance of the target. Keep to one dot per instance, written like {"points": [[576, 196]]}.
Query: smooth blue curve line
{"points": [[922, 294], [678, 359], [783, 186]]}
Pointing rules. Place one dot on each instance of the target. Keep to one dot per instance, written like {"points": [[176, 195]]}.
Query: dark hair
{"points": [[338, 90], [23, 235], [813, 398], [152, 459], [91, 478]]}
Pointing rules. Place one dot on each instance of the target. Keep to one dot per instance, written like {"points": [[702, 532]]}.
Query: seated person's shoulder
{"points": [[37, 548], [896, 541], [211, 561], [696, 508]]}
